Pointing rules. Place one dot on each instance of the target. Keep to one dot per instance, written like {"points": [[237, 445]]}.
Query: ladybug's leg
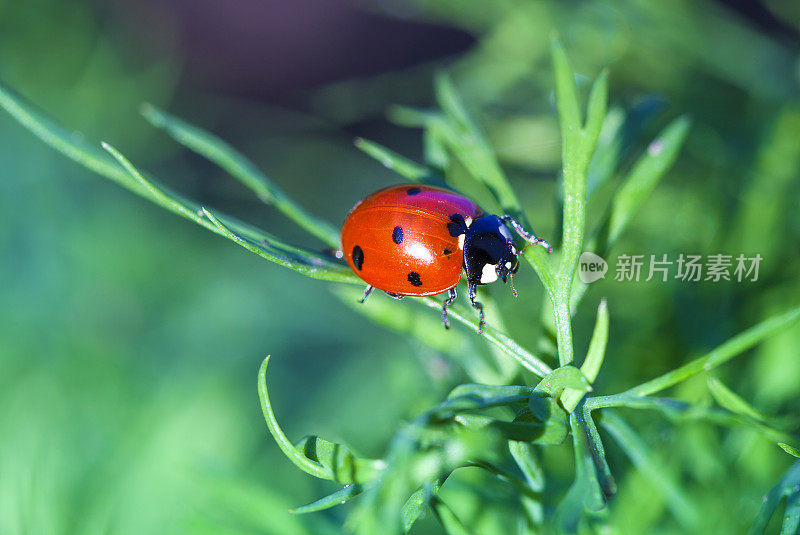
{"points": [[527, 236], [451, 296], [476, 304], [394, 296], [367, 291]]}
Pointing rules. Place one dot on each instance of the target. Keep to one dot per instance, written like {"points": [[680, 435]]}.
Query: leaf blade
{"points": [[240, 167]]}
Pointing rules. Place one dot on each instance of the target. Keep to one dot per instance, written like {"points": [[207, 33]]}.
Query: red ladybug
{"points": [[413, 240]]}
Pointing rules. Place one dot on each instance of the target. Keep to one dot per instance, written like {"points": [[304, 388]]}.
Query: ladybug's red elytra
{"points": [[413, 240]]}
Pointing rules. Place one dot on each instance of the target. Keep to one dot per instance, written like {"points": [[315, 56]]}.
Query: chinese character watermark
{"points": [[685, 267]]}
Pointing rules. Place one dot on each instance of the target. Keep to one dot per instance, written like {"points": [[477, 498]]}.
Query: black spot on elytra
{"points": [[413, 278], [457, 226], [447, 252], [358, 257], [397, 235], [413, 191]]}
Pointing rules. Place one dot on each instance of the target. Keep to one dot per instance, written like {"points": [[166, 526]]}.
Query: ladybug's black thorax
{"points": [[489, 251]]}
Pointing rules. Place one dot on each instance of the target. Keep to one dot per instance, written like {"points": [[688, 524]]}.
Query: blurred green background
{"points": [[130, 339]]}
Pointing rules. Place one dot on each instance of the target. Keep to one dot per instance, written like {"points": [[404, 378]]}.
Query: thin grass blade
{"points": [[391, 160], [221, 153], [653, 469], [644, 177], [723, 353], [339, 497]]}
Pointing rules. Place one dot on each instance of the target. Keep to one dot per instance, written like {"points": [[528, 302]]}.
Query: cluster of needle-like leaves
{"points": [[489, 423]]}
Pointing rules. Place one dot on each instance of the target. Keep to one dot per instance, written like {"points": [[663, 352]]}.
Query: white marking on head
{"points": [[513, 250], [461, 238], [468, 220], [508, 265], [488, 274]]}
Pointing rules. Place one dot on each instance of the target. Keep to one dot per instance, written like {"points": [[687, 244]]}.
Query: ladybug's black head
{"points": [[489, 251]]}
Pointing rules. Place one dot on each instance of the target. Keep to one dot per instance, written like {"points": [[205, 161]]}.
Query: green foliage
{"points": [[499, 430], [789, 489]]}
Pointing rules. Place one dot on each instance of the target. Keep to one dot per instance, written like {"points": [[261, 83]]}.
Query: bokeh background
{"points": [[130, 339]]}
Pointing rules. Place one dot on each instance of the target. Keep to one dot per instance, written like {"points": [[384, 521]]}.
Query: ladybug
{"points": [[413, 240]]}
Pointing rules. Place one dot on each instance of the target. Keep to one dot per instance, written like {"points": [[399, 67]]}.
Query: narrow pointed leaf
{"points": [[391, 160], [594, 357], [315, 456], [731, 401], [645, 175], [596, 110], [221, 153], [447, 518], [525, 457], [416, 503], [597, 345], [488, 391], [339, 497], [788, 487], [404, 317], [301, 461], [794, 452], [653, 469], [723, 353], [496, 338], [562, 378], [566, 93], [343, 465]]}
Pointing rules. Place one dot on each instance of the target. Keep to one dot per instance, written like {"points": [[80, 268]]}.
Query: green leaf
{"points": [[566, 94], [525, 428], [447, 518], [594, 484], [597, 345], [313, 455], [594, 357], [524, 455], [504, 475], [596, 110], [643, 178], [112, 165], [415, 506], [404, 317], [481, 391], [265, 246], [723, 353], [794, 452], [337, 498], [731, 401], [392, 160], [609, 148], [578, 145], [452, 105], [555, 426], [788, 487], [554, 385], [221, 153], [503, 342], [74, 147], [652, 467], [343, 465]]}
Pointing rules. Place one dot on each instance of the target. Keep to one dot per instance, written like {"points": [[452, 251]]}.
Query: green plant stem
{"points": [[507, 345], [578, 144]]}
